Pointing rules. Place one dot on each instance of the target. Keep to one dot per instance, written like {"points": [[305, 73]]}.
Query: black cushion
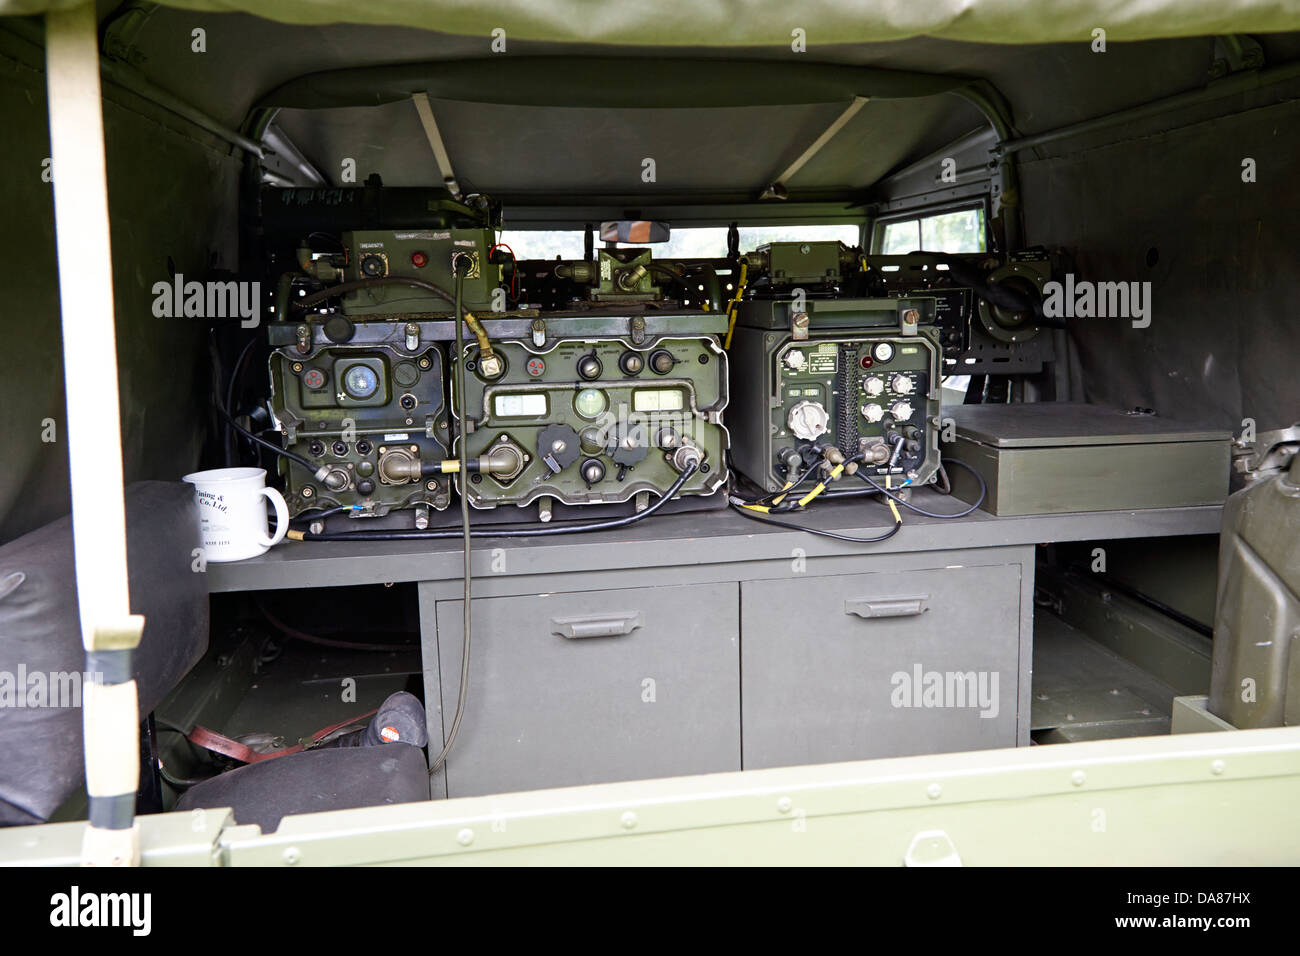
{"points": [[315, 781], [40, 633]]}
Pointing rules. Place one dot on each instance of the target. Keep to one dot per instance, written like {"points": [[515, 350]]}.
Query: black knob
{"points": [[592, 471], [661, 360], [366, 486], [339, 329], [631, 363], [589, 367]]}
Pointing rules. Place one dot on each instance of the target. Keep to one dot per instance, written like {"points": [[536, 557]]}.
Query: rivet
{"points": [[784, 805], [465, 837], [628, 820], [1217, 767], [292, 856], [1078, 777], [933, 791]]}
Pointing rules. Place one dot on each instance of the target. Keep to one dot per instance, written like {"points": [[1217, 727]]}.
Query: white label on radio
{"points": [[397, 436], [515, 406]]}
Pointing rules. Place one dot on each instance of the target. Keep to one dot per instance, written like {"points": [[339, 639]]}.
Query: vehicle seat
{"points": [[40, 632], [313, 781]]}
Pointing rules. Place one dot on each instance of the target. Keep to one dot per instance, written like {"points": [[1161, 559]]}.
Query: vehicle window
{"points": [[751, 237], [961, 230], [544, 243], [687, 242]]}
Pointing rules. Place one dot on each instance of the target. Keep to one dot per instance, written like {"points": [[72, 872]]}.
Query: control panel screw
{"points": [[628, 820], [465, 837], [933, 791], [292, 856], [784, 805]]}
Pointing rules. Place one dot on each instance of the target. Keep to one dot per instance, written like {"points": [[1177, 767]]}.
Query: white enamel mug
{"points": [[233, 514]]}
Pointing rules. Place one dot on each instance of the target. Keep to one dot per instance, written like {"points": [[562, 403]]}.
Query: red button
{"points": [[419, 260]]}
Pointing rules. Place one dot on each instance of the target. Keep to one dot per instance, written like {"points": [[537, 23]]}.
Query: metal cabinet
{"points": [[589, 687], [848, 667]]}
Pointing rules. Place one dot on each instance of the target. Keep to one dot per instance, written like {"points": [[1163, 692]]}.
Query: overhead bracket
{"points": [[777, 188], [425, 110]]}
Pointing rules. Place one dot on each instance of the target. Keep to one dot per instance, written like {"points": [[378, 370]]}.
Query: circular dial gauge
{"points": [[360, 381], [883, 351], [590, 403], [808, 420]]}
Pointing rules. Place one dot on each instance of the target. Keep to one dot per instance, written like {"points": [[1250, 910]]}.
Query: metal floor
{"points": [[1084, 691]]}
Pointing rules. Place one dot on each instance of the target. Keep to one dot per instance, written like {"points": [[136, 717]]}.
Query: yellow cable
{"points": [[484, 343], [821, 485], [735, 303], [890, 501]]}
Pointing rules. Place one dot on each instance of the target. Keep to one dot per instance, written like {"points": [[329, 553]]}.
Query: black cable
{"points": [[612, 523], [322, 513], [464, 527], [767, 498], [932, 514], [221, 410], [306, 302], [234, 378], [791, 526]]}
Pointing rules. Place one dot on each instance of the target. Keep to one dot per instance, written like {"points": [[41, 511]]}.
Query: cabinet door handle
{"points": [[609, 625], [886, 607]]}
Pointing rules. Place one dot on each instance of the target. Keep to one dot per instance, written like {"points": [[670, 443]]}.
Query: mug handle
{"points": [[281, 517]]}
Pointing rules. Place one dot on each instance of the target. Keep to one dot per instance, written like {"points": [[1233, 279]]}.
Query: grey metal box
{"points": [[830, 664], [576, 688], [1060, 457]]}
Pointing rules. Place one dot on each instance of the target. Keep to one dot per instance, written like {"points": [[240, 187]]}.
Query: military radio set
{"points": [[606, 403], [597, 387]]}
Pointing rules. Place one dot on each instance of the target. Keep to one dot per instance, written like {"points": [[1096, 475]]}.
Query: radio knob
{"points": [[795, 360], [589, 367], [901, 411], [873, 412], [807, 420], [902, 384], [661, 361], [874, 385], [592, 471]]}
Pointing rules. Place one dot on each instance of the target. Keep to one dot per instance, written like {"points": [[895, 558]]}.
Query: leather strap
{"points": [[201, 736]]}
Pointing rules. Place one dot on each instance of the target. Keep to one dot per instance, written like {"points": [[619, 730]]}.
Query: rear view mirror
{"points": [[637, 231]]}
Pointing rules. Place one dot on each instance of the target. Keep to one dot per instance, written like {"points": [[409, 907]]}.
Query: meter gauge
{"points": [[590, 403], [360, 382]]}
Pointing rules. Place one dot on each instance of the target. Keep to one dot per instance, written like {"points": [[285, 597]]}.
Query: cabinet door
{"points": [[850, 667], [593, 687]]}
